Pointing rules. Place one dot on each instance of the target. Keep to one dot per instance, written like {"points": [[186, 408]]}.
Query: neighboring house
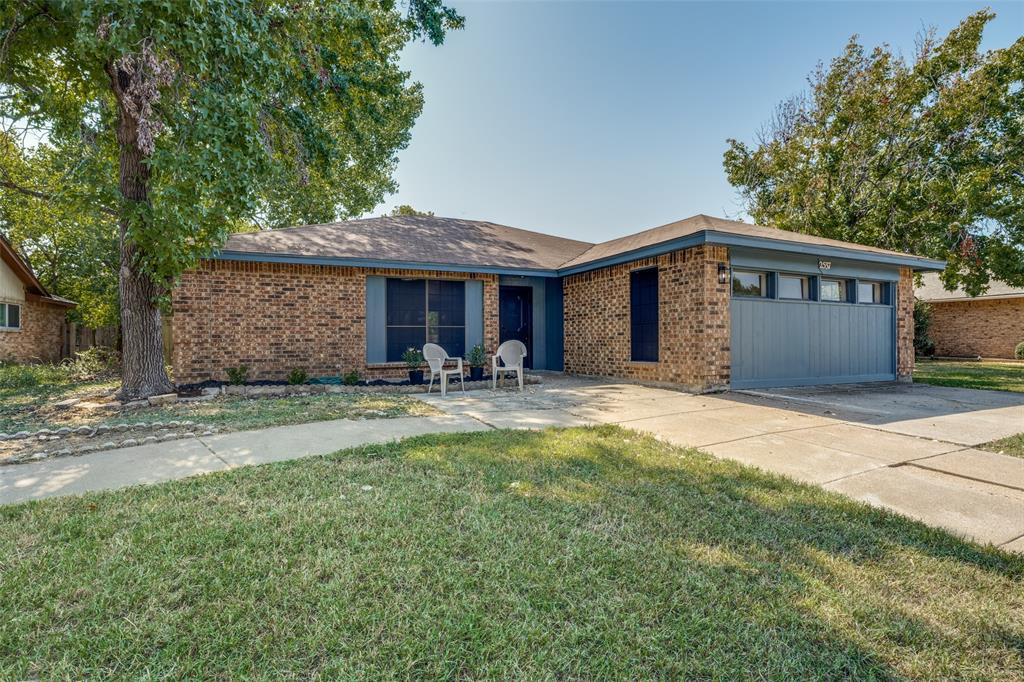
{"points": [[31, 319], [990, 325], [703, 303]]}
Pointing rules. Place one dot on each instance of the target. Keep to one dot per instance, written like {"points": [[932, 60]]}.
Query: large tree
{"points": [[188, 119], [925, 156]]}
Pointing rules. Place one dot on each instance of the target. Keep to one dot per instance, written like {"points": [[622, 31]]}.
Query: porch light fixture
{"points": [[723, 273]]}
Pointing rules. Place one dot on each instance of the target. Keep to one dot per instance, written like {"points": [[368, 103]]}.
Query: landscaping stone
{"points": [[84, 431], [129, 442], [121, 427], [67, 402], [62, 453], [135, 403], [168, 436], [149, 439], [108, 445], [21, 434], [163, 399], [154, 425]]}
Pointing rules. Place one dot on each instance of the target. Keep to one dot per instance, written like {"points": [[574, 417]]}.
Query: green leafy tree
{"points": [[406, 209], [187, 120], [925, 156]]}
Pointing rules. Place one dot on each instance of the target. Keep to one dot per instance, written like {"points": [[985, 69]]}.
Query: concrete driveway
{"points": [[906, 447]]}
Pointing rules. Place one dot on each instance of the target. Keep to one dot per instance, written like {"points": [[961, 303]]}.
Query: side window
{"points": [[643, 315], [795, 287], [749, 283], [10, 316]]}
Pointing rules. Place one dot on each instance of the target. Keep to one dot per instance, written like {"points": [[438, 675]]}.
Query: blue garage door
{"points": [[800, 343]]}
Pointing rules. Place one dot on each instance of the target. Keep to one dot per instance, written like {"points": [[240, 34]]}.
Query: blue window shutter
{"points": [[474, 314], [376, 320]]}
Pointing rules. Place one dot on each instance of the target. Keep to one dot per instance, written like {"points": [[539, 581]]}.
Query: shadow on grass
{"points": [[578, 553]]}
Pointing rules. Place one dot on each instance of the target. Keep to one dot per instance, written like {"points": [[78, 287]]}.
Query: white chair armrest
{"points": [[458, 364]]}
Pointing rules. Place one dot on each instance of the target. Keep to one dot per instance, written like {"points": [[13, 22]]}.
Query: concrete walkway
{"points": [[182, 458], [908, 448]]}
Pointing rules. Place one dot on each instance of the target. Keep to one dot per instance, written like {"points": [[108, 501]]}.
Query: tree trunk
{"points": [[142, 358]]}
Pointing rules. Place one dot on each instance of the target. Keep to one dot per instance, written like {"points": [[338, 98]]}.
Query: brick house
{"points": [[702, 303], [31, 319], [989, 326]]}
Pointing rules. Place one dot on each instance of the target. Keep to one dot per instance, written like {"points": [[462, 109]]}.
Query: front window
{"points": [[869, 292], [749, 283], [794, 287], [10, 316], [423, 311], [643, 315], [833, 290]]}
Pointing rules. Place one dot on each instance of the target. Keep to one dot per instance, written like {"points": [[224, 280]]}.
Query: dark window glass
{"points": [[407, 303], [13, 316], [749, 283], [400, 339], [793, 286], [643, 317], [3, 314], [869, 292], [425, 311], [833, 290], [452, 339], [447, 303]]}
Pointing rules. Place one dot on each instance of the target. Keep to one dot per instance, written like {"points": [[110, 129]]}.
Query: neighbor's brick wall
{"points": [[275, 317], [991, 329], [905, 325], [693, 321], [39, 339]]}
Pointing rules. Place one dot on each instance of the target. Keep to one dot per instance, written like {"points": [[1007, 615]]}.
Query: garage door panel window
{"points": [[750, 283], [833, 290], [10, 316], [871, 292], [643, 315], [794, 287], [421, 311]]}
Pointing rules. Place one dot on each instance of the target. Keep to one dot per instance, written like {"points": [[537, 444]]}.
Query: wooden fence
{"points": [[76, 338]]}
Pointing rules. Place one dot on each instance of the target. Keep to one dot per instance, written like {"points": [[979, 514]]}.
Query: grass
{"points": [[579, 554], [1014, 445], [994, 375], [32, 407]]}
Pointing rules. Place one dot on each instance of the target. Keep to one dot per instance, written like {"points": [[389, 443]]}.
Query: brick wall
{"points": [[275, 317], [905, 325], [989, 328], [39, 339], [693, 321]]}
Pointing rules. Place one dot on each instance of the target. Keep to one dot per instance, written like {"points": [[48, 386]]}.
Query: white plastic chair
{"points": [[436, 357], [512, 353]]}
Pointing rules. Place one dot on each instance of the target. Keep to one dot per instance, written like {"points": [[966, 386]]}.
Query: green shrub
{"points": [[413, 358], [923, 344], [91, 364], [15, 375], [476, 357], [237, 375], [1018, 352], [297, 376], [351, 379]]}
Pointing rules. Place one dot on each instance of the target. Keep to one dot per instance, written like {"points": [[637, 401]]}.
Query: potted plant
{"points": [[413, 359], [476, 358]]}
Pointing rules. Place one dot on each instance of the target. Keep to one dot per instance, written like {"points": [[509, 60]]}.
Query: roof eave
{"points": [[710, 236], [262, 257]]}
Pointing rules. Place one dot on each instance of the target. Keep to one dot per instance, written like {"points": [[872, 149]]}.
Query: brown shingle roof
{"points": [[474, 243], [932, 289], [701, 223], [416, 239]]}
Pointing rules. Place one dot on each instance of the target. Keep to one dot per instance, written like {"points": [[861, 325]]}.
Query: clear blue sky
{"points": [[596, 119]]}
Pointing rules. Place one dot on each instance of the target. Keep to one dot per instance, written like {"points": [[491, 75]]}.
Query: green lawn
{"points": [[562, 554], [32, 408], [999, 376]]}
